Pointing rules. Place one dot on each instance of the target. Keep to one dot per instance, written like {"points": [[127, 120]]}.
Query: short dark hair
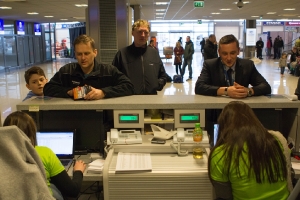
{"points": [[24, 122], [211, 35], [228, 39], [85, 39], [33, 70]]}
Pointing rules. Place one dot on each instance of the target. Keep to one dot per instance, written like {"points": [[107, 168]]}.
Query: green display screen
{"points": [[190, 118], [128, 118]]}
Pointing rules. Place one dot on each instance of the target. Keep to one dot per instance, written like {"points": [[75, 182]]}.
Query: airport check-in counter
{"points": [[172, 175]]}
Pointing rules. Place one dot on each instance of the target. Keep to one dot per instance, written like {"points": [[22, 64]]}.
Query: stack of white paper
{"points": [[127, 162], [96, 166]]}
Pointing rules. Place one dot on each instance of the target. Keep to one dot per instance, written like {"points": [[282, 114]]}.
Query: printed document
{"points": [[133, 162]]}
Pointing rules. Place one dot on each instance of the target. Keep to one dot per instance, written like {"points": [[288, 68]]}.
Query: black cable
{"points": [[95, 191]]}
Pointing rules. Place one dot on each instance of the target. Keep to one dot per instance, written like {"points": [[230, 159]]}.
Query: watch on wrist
{"points": [[225, 91], [249, 92]]}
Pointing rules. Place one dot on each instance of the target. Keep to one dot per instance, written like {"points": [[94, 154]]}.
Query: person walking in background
{"points": [[180, 40], [178, 51], [291, 65], [202, 43], [151, 44], [236, 167], [297, 43], [269, 46], [275, 46], [211, 48], [282, 64], [280, 47], [188, 57], [259, 47]]}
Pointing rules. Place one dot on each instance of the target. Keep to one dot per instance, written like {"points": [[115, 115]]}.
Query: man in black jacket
{"points": [[188, 58], [230, 76], [215, 80], [259, 47], [211, 48], [141, 63], [106, 81]]}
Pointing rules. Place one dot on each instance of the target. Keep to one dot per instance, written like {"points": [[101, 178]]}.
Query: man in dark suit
{"points": [[216, 80], [230, 76]]}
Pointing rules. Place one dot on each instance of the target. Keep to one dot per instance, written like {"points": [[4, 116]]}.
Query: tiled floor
{"points": [[13, 89]]}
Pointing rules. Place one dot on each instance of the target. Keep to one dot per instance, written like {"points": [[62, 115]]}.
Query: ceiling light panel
{"points": [[161, 3], [81, 5], [5, 8], [245, 2]]}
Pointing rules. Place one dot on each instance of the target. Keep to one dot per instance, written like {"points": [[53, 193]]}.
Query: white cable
{"points": [[179, 152]]}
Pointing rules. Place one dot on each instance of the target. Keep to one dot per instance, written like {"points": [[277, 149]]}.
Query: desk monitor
{"points": [[128, 118], [188, 118]]}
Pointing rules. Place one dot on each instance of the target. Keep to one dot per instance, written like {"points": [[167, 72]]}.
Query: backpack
{"points": [[177, 79]]}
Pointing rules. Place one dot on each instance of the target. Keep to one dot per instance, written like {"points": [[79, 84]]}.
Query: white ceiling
{"points": [[175, 10]]}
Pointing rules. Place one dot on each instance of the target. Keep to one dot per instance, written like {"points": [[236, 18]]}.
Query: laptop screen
{"points": [[216, 129], [60, 142]]}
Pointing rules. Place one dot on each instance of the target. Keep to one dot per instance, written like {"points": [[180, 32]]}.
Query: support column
{"points": [[108, 25], [137, 11], [248, 49]]}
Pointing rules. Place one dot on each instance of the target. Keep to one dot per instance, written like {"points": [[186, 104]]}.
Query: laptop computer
{"points": [[60, 142]]}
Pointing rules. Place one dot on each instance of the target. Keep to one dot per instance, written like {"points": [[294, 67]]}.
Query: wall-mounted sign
{"points": [[273, 23], [37, 29], [250, 36], [292, 23], [1, 26], [20, 27]]}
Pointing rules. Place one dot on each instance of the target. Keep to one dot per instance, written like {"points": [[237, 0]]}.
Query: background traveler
{"points": [[188, 57], [178, 51], [140, 63], [211, 48]]}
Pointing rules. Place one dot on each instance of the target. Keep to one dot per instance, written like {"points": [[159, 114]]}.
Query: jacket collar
{"points": [[95, 71], [138, 51]]}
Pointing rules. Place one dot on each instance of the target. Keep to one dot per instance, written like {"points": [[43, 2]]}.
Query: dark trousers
{"points": [[259, 53], [276, 53], [178, 66]]}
